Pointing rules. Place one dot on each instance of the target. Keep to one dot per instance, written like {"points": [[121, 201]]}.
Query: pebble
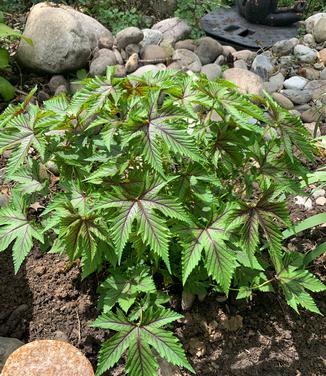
{"points": [[318, 193], [284, 47], [304, 202], [283, 101], [211, 71], [130, 35], [187, 44], [321, 201], [297, 96], [241, 64], [208, 50], [305, 54], [262, 66], [56, 81]]}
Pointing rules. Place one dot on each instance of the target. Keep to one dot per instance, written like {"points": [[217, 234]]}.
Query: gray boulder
{"points": [[187, 60], [104, 59], [312, 21], [262, 66], [130, 35], [305, 54], [211, 71], [63, 39], [208, 50], [297, 96], [284, 47], [173, 29], [151, 37]]}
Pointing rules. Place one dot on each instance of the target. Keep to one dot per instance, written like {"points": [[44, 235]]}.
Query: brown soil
{"points": [[47, 299]]}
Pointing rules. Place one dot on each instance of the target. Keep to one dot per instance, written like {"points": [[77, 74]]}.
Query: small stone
{"points": [[56, 81], [187, 44], [245, 55], [305, 54], [220, 60], [197, 347], [240, 64], [173, 29], [118, 56], [208, 50], [262, 66], [106, 41], [146, 68], [321, 201], [319, 30], [153, 52], [132, 49], [319, 66], [276, 81], [187, 300], [187, 60], [304, 202], [283, 101], [104, 59], [228, 50], [297, 96], [310, 73], [8, 346], [284, 47], [316, 88], [130, 35], [62, 89], [322, 55], [132, 63], [248, 82], [309, 40], [323, 74], [295, 82], [151, 37], [211, 71], [310, 116], [318, 193]]}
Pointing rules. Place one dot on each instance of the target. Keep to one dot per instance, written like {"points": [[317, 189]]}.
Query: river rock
{"points": [[187, 60], [284, 47], [295, 82], [130, 35], [262, 66], [323, 74], [104, 59], [105, 42], [56, 81], [241, 64], [248, 82], [316, 88], [283, 101], [132, 63], [322, 55], [297, 96], [319, 30], [311, 21], [310, 73], [245, 55], [208, 50], [147, 68], [187, 44], [309, 116], [305, 54], [173, 29], [63, 39], [7, 346], [309, 40], [151, 37], [153, 52], [211, 71]]}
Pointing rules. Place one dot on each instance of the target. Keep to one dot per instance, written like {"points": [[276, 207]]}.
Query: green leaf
{"points": [[7, 91], [311, 222], [4, 58]]}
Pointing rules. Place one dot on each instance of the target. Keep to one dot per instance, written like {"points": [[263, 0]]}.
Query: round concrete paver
{"points": [[47, 358]]}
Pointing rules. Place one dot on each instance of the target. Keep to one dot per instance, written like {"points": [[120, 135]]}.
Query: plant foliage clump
{"points": [[158, 180]]}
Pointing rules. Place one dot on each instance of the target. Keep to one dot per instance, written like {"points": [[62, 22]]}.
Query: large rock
{"points": [[187, 60], [130, 35], [153, 53], [63, 39], [7, 346], [312, 21], [173, 29], [320, 30], [208, 50], [248, 82]]}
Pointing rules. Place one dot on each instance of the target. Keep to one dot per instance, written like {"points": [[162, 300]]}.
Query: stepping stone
{"points": [[47, 358]]}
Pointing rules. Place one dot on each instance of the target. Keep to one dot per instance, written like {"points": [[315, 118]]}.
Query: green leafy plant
{"points": [[7, 90], [159, 180]]}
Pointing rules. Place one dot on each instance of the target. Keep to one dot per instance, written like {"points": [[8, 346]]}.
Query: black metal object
{"points": [[228, 26]]}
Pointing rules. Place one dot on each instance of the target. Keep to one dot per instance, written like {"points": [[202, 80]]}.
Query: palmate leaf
{"points": [[16, 227], [262, 215], [143, 208], [220, 262], [139, 337], [294, 282]]}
